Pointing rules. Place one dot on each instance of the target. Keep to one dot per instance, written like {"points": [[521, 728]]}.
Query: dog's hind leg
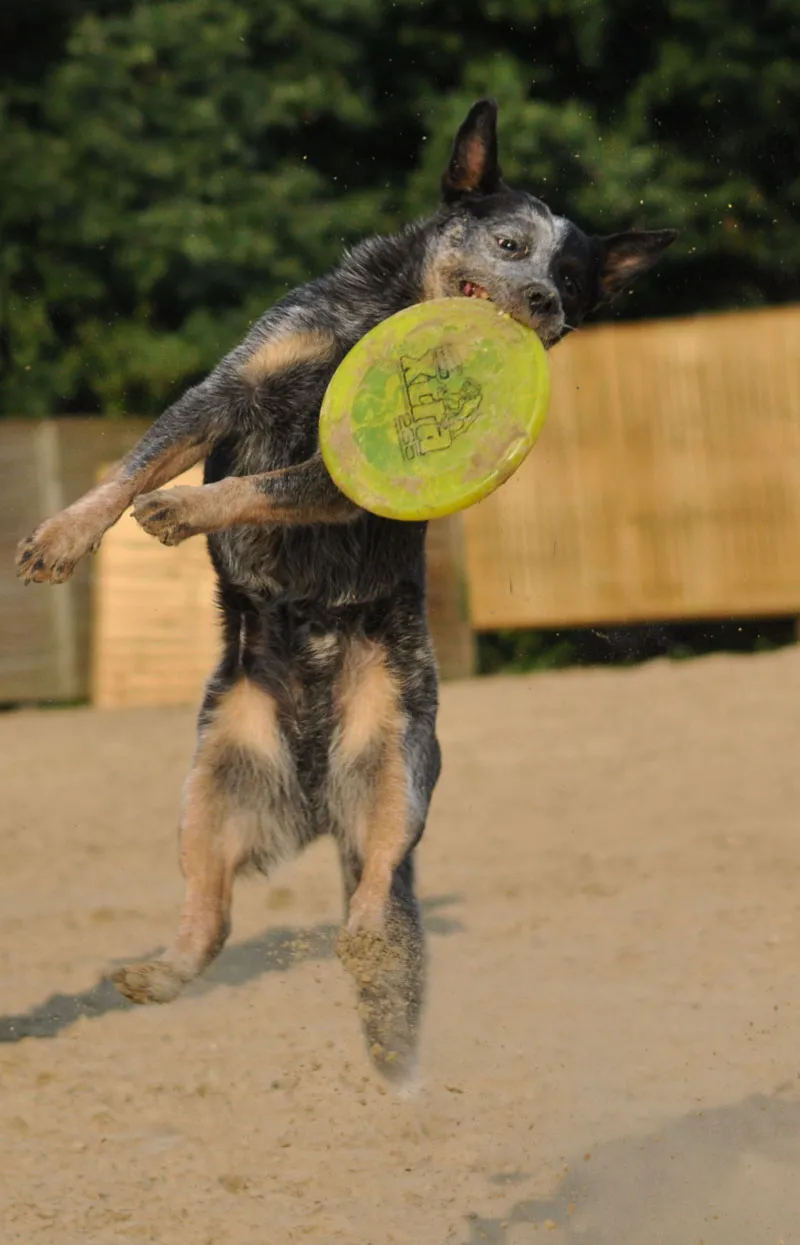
{"points": [[379, 801], [213, 846], [386, 958], [239, 808]]}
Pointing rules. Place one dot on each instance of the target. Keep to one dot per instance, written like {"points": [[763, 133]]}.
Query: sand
{"points": [[611, 1049]]}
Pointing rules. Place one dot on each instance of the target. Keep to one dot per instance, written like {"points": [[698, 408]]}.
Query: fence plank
{"points": [[448, 604], [155, 620], [29, 666], [45, 464]]}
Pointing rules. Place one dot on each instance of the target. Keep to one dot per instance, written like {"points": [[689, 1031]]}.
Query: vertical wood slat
{"points": [[45, 464], [29, 665], [84, 445], [448, 598], [156, 630]]}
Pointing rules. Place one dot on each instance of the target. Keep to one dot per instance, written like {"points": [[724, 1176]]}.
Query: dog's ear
{"points": [[625, 256], [473, 167]]}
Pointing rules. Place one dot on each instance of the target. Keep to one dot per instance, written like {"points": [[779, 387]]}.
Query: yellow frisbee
{"points": [[434, 408]]}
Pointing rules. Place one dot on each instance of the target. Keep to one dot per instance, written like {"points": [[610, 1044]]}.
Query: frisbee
{"points": [[434, 408]]}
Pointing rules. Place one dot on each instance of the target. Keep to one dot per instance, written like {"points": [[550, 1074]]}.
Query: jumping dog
{"points": [[321, 715]]}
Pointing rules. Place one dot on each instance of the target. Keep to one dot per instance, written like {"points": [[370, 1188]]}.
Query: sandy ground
{"points": [[612, 1044]]}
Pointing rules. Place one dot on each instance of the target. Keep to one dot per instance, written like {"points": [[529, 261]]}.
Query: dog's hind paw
{"points": [[388, 1004], [156, 982]]}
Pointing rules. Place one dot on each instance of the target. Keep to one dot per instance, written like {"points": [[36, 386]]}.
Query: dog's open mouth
{"points": [[471, 289]]}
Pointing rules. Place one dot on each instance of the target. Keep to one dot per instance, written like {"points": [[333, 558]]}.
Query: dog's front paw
{"points": [[156, 982], [166, 514], [52, 552]]}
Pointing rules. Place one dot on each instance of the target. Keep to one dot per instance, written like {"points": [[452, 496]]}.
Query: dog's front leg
{"points": [[176, 441], [303, 494]]}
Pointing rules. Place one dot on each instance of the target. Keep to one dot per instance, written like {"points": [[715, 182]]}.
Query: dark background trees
{"points": [[169, 168]]}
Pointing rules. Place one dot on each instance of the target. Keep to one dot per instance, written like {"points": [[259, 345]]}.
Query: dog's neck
{"points": [[381, 276]]}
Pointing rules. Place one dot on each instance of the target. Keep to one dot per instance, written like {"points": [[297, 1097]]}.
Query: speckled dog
{"points": [[321, 715]]}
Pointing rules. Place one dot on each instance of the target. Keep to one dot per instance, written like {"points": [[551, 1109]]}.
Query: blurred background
{"points": [[169, 169]]}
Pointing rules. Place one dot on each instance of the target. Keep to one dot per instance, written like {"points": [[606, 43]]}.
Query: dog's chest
{"points": [[250, 558], [256, 449], [254, 557]]}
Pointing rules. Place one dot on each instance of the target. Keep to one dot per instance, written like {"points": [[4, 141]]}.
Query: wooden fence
{"points": [[666, 484]]}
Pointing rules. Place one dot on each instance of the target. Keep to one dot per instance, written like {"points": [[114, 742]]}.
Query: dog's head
{"points": [[505, 245]]}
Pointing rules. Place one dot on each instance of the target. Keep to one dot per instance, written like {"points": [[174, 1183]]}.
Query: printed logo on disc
{"points": [[441, 402]]}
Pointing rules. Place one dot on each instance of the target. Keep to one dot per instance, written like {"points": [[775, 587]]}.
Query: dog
{"points": [[321, 715]]}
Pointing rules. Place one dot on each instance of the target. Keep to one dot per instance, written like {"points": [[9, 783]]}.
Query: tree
{"points": [[170, 168]]}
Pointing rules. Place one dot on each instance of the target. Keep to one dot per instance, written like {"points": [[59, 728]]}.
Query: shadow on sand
{"points": [[726, 1176], [274, 951]]}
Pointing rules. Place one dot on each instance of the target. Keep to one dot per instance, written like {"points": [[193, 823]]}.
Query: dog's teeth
{"points": [[470, 290]]}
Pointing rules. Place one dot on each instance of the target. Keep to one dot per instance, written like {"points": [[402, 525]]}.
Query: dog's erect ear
{"points": [[473, 167], [625, 256]]}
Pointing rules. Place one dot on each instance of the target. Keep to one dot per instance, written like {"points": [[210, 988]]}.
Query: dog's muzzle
{"points": [[543, 301]]}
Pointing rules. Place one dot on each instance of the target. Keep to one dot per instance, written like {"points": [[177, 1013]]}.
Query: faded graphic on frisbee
{"points": [[441, 400], [434, 409]]}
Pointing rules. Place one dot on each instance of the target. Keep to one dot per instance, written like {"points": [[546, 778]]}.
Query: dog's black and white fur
{"points": [[321, 715]]}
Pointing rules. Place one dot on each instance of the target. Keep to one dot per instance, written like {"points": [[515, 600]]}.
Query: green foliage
{"points": [[520, 652], [171, 167]]}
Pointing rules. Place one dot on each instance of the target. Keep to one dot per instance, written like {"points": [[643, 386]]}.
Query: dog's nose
{"points": [[543, 300]]}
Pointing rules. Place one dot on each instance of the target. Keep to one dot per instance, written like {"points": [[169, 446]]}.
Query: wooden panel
{"points": [[155, 621], [84, 445], [46, 464], [666, 483], [448, 607], [32, 667]]}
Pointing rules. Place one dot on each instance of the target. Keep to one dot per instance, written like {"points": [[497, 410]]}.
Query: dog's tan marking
{"points": [[218, 837], [323, 647], [246, 717], [440, 279], [474, 157], [383, 835], [620, 267], [368, 700], [51, 553], [369, 749], [279, 353]]}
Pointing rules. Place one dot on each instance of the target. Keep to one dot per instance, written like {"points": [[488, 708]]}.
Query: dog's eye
{"points": [[508, 244], [571, 284]]}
